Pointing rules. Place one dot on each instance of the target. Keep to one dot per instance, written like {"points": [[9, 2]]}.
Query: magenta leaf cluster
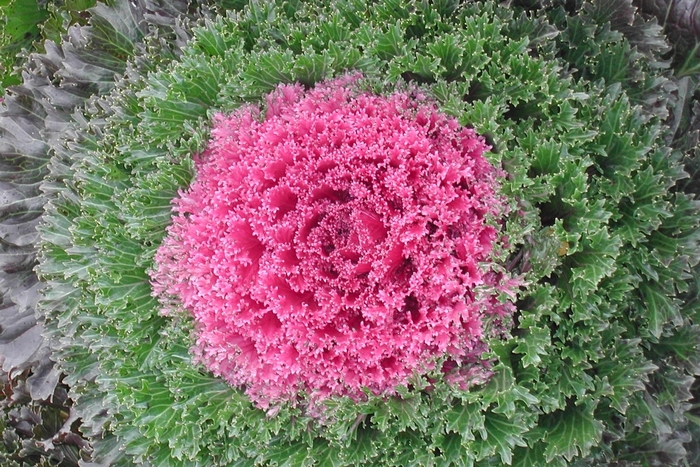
{"points": [[335, 244]]}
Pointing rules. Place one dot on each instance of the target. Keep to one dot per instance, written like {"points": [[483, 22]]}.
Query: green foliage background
{"points": [[603, 353], [26, 24]]}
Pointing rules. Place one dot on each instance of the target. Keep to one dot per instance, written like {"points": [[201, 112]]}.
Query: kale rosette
{"points": [[584, 216]]}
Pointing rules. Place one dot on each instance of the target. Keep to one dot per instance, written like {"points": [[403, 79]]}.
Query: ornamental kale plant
{"points": [[593, 365], [335, 247]]}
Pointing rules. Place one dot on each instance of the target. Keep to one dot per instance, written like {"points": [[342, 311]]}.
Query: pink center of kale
{"points": [[335, 244]]}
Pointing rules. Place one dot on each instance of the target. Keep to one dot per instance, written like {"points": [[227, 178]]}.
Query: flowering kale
{"points": [[335, 245], [597, 364]]}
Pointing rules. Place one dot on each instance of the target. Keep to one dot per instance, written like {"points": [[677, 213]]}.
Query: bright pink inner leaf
{"points": [[334, 244]]}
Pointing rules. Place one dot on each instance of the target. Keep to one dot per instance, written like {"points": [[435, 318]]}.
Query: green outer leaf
{"points": [[571, 432]]}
